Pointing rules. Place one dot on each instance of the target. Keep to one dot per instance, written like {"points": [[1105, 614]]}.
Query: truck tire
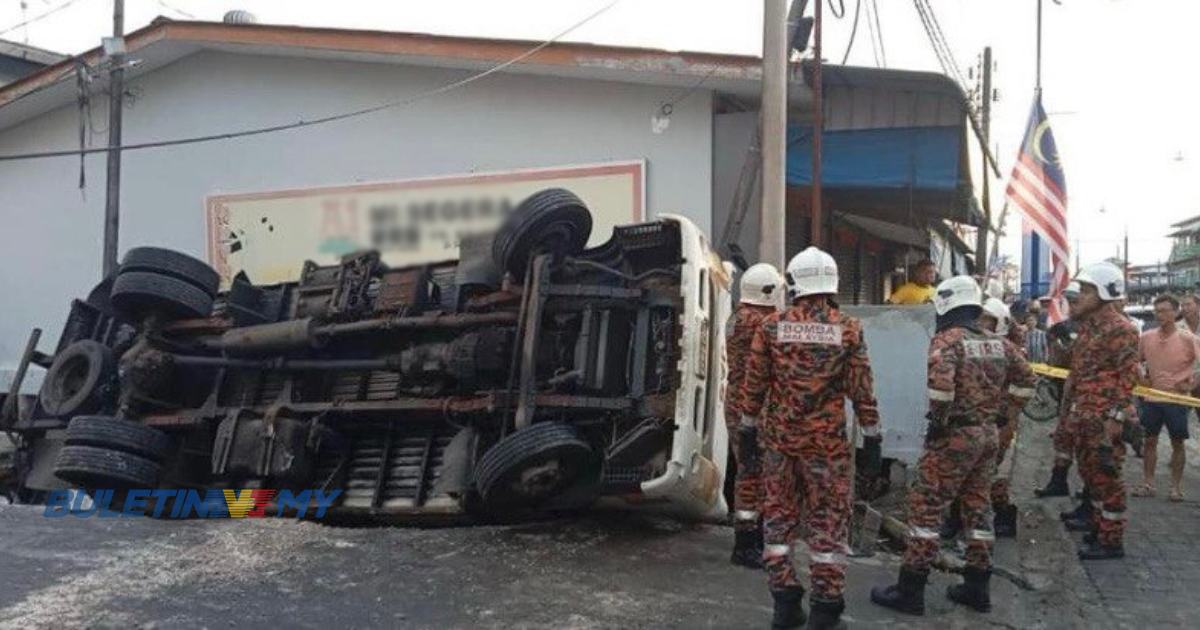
{"points": [[138, 293], [171, 263], [95, 467], [553, 220], [118, 434], [533, 465], [76, 379]]}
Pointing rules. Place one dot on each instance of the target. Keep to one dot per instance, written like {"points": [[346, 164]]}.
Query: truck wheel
{"points": [[139, 293], [95, 467], [171, 263], [533, 465], [76, 378], [118, 434], [553, 220]]}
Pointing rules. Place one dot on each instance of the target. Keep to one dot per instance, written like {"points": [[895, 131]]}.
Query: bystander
{"points": [[1168, 356], [918, 290], [1036, 349], [1189, 306]]}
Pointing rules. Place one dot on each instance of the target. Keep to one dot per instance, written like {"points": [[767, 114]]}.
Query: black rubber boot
{"points": [[952, 524], [1057, 486], [1083, 510], [1096, 551], [907, 595], [747, 548], [1005, 522], [973, 591], [1082, 522], [789, 608], [827, 614]]}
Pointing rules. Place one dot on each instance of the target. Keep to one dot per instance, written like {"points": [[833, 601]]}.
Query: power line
{"points": [[169, 7], [853, 32], [879, 33], [317, 121], [39, 16]]}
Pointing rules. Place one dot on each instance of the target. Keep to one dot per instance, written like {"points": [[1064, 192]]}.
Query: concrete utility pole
{"points": [[116, 101], [818, 131], [981, 254], [772, 219]]}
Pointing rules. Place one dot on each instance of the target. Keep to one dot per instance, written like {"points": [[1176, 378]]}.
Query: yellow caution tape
{"points": [[1145, 393]]}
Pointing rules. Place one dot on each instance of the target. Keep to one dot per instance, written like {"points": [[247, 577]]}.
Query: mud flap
{"points": [[458, 462], [45, 451]]}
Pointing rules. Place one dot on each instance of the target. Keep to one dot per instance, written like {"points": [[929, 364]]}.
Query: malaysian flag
{"points": [[1038, 188]]}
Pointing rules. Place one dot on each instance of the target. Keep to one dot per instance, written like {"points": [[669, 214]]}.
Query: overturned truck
{"points": [[532, 374]]}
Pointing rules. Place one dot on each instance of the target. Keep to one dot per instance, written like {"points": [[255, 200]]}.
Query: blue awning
{"points": [[921, 158]]}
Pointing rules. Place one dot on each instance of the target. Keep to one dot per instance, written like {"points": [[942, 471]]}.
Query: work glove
{"points": [[935, 431], [748, 451], [872, 455]]}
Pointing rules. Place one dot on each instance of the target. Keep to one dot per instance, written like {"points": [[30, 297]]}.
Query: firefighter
{"points": [[968, 373], [1096, 403], [997, 319], [1061, 338], [803, 363], [761, 294]]}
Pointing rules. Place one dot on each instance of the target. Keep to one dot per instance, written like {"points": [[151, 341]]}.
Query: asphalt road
{"points": [[597, 571], [594, 571]]}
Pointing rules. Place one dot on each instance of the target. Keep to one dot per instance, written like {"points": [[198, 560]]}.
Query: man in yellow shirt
{"points": [[919, 290]]}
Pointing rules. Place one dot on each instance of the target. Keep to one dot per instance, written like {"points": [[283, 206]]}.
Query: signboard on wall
{"points": [[270, 234]]}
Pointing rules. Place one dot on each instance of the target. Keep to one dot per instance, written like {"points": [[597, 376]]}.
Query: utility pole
{"points": [[981, 254], [818, 130], [772, 219], [116, 102]]}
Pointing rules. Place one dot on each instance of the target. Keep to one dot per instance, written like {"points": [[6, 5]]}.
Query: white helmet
{"points": [[999, 311], [1106, 277], [1072, 290], [994, 289], [955, 292], [761, 285], [812, 272]]}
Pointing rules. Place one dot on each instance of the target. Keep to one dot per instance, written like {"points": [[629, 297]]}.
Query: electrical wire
{"points": [[324, 119], [853, 31], [879, 33], [836, 14], [39, 16], [871, 33], [169, 7]]}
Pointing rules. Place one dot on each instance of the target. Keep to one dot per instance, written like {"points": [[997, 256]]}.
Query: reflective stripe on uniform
{"points": [[941, 395], [1099, 505], [771, 551], [923, 532], [827, 558], [870, 431], [1112, 516], [749, 421], [746, 515], [1062, 455], [981, 534], [1021, 392]]}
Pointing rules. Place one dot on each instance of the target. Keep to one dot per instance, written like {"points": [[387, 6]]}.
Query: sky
{"points": [[1113, 76]]}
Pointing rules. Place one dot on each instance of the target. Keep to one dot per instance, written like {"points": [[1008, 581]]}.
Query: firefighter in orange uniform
{"points": [[1096, 403], [803, 363], [968, 373], [761, 295]]}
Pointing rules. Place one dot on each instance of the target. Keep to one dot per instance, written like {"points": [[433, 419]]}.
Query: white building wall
{"points": [[50, 242]]}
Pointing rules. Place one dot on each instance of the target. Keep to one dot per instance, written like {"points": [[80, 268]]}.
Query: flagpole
{"points": [[1035, 240], [1037, 90]]}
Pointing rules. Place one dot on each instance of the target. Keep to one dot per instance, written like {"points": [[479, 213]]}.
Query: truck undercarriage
{"points": [[530, 374]]}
